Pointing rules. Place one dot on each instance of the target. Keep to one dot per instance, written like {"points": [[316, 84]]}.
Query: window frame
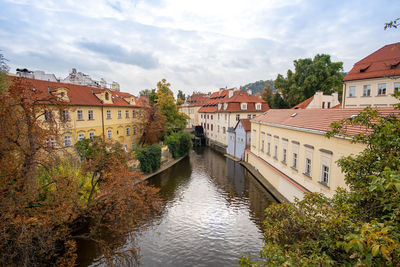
{"points": [[90, 115]]}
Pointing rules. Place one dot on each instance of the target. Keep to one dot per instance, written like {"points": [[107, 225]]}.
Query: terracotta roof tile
{"points": [[383, 62], [79, 94], [246, 124], [315, 119], [303, 104]]}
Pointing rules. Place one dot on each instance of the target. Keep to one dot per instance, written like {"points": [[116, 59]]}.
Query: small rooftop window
{"points": [[293, 115]]}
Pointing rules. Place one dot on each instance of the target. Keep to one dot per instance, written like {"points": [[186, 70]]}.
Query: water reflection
{"points": [[212, 211]]}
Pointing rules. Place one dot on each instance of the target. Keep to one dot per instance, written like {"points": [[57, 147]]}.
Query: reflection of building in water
{"points": [[236, 176]]}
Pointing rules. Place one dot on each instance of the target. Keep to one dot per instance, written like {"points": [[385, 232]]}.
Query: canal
{"points": [[212, 211]]}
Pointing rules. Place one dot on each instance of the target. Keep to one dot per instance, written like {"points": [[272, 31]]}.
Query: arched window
{"points": [[107, 97]]}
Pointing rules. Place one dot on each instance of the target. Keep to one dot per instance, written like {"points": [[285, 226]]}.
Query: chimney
{"points": [[249, 92]]}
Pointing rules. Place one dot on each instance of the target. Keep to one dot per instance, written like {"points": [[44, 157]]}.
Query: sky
{"points": [[196, 45]]}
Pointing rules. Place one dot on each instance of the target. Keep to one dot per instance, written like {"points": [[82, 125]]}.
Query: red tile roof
{"points": [[315, 119], [79, 94], [381, 63], [222, 97], [303, 104], [246, 124], [196, 100]]}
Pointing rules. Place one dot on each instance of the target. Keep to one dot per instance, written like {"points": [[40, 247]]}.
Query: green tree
{"points": [[267, 95], [149, 158], [179, 144], [176, 121], [278, 102], [310, 75], [359, 227], [181, 95], [150, 94], [258, 86]]}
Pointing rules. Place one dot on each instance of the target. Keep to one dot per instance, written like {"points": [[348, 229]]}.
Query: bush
{"points": [[149, 158], [179, 144]]}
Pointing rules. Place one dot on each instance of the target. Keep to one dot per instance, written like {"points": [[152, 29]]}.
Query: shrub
{"points": [[149, 158], [179, 144]]}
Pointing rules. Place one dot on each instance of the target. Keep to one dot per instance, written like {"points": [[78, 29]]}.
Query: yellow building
{"points": [[290, 150], [373, 80], [191, 108], [93, 112]]}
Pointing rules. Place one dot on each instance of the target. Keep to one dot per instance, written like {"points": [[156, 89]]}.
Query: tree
{"points": [[47, 198], [149, 158], [267, 95], [258, 86], [392, 24], [310, 76], [176, 121], [154, 128], [179, 144], [278, 102], [360, 227], [181, 95], [150, 94]]}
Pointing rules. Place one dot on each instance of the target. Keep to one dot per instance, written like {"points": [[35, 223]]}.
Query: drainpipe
{"points": [[344, 96], [102, 121]]}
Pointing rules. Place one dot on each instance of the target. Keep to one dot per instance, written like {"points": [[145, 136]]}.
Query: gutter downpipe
{"points": [[344, 95], [102, 121]]}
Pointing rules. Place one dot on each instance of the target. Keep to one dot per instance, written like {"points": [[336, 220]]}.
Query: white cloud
{"points": [[196, 45]]}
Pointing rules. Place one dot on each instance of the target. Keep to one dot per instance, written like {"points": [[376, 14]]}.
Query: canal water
{"points": [[212, 211]]}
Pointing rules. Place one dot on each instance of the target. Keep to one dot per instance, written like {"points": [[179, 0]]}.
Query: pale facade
{"points": [[373, 80], [306, 161], [375, 92], [191, 108]]}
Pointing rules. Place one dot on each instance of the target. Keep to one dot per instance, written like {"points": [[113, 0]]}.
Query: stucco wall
{"points": [[374, 100], [317, 147]]}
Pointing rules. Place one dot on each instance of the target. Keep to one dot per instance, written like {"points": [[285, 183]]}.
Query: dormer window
{"points": [[258, 106], [107, 96], [243, 106], [225, 106], [219, 106]]}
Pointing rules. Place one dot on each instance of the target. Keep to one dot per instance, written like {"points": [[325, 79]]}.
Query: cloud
{"points": [[119, 54]]}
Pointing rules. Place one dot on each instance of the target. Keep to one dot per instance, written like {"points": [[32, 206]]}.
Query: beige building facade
{"points": [[290, 150]]}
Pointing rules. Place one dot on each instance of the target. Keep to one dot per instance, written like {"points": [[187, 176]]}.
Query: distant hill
{"points": [[257, 86]]}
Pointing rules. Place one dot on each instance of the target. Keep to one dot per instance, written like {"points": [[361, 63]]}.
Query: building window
{"points": [[128, 131], [108, 112], [294, 161], [107, 96], [226, 117], [126, 148], [396, 87], [254, 116], [79, 113], [243, 106], [134, 129], [212, 117], [126, 113], [223, 130], [308, 167], [90, 115], [51, 142], [109, 134], [119, 114], [67, 140], [91, 135], [284, 155], [218, 129], [48, 115], [352, 91], [269, 148], [133, 145], [212, 127], [249, 116], [237, 117], [258, 106], [329, 104], [382, 89], [65, 115], [367, 90], [81, 136], [325, 175], [276, 151], [323, 104], [208, 116], [262, 145], [133, 114]]}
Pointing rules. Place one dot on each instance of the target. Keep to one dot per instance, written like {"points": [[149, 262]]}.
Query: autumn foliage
{"points": [[49, 200]]}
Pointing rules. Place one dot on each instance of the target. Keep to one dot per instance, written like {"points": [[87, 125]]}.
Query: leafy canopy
{"points": [[310, 76]]}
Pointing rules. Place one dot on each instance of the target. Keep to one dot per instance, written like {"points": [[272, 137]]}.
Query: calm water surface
{"points": [[212, 212]]}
